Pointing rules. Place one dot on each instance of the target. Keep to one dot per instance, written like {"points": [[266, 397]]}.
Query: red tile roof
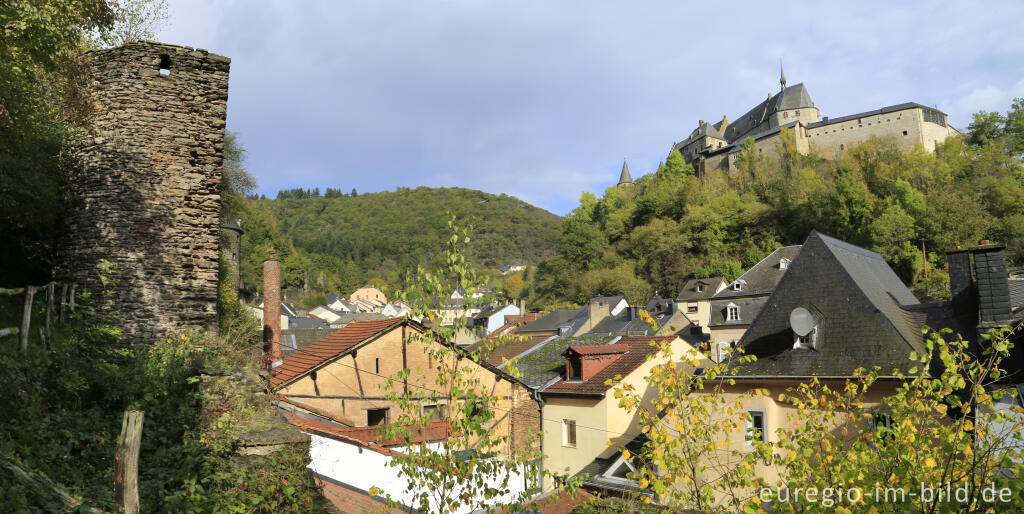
{"points": [[312, 356], [636, 354]]}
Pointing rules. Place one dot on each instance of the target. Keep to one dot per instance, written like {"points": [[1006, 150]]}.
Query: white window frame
{"points": [[692, 307], [699, 288], [808, 341], [784, 263], [747, 434], [723, 350], [732, 312], [569, 426]]}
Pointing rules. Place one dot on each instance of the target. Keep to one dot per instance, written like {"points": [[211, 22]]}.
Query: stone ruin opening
{"points": [[165, 64]]}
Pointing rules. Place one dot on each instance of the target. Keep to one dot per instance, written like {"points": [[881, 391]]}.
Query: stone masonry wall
{"points": [[148, 194]]}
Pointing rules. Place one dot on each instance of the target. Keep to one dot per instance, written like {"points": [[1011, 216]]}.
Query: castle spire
{"points": [[625, 178], [782, 76]]}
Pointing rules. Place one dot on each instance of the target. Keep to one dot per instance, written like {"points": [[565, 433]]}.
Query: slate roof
{"points": [[293, 339], [506, 347], [326, 349], [544, 363], [762, 277], [866, 316], [749, 307], [792, 97], [550, 321], [625, 177], [593, 472], [883, 110], [689, 289], [300, 323], [637, 350]]}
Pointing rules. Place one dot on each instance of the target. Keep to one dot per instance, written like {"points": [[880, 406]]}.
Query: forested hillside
{"points": [[672, 226], [338, 242]]}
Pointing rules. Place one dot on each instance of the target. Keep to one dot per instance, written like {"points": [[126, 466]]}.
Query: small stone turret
{"points": [[625, 179]]}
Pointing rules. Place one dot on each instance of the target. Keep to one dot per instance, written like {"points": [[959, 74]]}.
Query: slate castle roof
{"points": [[792, 97], [865, 315]]}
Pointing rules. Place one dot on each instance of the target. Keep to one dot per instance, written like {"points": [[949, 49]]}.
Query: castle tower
{"points": [[624, 178], [148, 193]]}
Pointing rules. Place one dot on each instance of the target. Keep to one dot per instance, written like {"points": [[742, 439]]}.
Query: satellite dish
{"points": [[802, 321]]}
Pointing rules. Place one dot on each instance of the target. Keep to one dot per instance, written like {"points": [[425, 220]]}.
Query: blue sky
{"points": [[542, 100]]}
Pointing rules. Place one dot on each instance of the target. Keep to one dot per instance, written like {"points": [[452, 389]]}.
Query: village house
{"points": [[694, 298], [839, 308], [368, 293], [735, 307], [344, 376], [493, 317], [584, 427]]}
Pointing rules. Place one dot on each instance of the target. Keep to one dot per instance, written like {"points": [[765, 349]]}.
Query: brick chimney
{"points": [[993, 289], [584, 361], [272, 310]]}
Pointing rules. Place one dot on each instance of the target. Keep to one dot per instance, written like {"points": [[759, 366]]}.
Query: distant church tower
{"points": [[625, 179]]}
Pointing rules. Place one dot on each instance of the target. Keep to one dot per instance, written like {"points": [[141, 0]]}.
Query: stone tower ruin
{"points": [[147, 198]]}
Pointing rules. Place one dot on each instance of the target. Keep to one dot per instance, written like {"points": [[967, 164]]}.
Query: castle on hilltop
{"points": [[716, 145]]}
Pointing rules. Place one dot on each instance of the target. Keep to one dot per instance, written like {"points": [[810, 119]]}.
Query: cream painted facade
{"points": [[776, 416], [353, 387], [602, 427]]}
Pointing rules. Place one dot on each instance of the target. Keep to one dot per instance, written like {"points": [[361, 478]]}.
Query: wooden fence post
{"points": [[50, 290], [126, 463], [26, 318]]}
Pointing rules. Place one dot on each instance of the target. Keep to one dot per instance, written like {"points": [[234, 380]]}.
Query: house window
{"points": [[691, 308], [784, 263], [575, 368], [806, 341], [569, 433], [699, 288], [376, 417], [437, 411], [732, 313], [755, 427], [376, 365], [737, 286]]}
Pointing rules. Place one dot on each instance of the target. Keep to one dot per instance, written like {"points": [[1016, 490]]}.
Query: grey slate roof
{"points": [[793, 97], [625, 177], [867, 317], [762, 277], [545, 363], [662, 310], [298, 323], [689, 289], [550, 321], [749, 306], [883, 110]]}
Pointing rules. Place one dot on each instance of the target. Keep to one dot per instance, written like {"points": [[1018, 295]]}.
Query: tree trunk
{"points": [[26, 318], [50, 290], [126, 463], [63, 303]]}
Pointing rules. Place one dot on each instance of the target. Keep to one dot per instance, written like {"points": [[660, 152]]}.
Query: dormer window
{"points": [[806, 341], [738, 285], [784, 263], [699, 288], [732, 312], [575, 369]]}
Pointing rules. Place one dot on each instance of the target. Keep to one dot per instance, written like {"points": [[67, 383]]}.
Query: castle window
{"points": [[798, 113], [165, 64], [904, 132], [842, 147]]}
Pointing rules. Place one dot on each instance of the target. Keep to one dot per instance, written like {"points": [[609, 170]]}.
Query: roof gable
{"points": [[633, 354], [326, 350], [857, 299]]}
